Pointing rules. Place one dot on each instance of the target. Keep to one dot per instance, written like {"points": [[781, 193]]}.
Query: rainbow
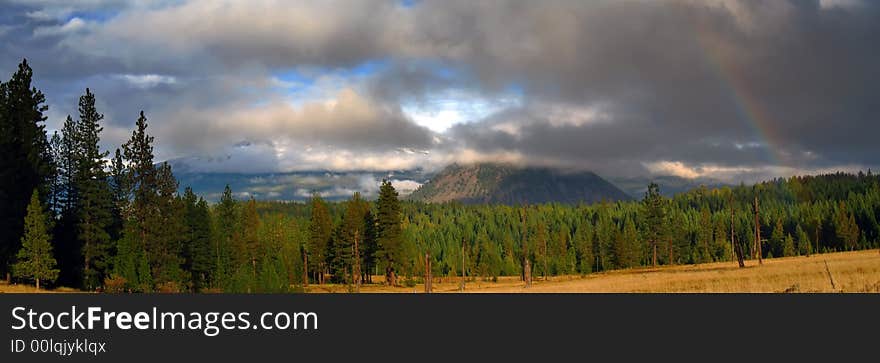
{"points": [[750, 109]]}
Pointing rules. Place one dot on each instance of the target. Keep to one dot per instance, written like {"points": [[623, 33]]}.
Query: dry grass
{"points": [[852, 272], [21, 289]]}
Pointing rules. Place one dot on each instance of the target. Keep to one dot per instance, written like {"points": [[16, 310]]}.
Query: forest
{"points": [[75, 215]]}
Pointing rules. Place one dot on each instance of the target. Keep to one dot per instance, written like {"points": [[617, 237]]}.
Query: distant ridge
{"points": [[494, 183]]}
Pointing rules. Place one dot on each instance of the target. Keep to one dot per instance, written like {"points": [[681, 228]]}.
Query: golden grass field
{"points": [[852, 272]]}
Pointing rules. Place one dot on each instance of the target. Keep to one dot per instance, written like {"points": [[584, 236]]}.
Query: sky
{"points": [[738, 91]]}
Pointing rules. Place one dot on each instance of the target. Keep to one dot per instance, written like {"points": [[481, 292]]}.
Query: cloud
{"points": [[686, 87], [147, 80]]}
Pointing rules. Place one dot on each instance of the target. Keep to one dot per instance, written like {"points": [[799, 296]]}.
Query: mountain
{"points": [[508, 184], [290, 186]]}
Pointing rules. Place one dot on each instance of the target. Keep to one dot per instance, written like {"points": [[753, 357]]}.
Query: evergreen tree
{"points": [[846, 228], [626, 245], [804, 244], [198, 251], [777, 239], [140, 245], [351, 230], [94, 200], [68, 249], [35, 260], [371, 245], [248, 247], [390, 239], [655, 218], [226, 221], [168, 230], [788, 248], [25, 157], [583, 243], [606, 233], [541, 253], [320, 232]]}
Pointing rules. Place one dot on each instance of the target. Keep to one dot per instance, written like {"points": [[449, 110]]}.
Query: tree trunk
{"points": [[737, 249], [758, 235], [654, 259], [428, 274], [461, 287], [38, 283], [305, 269], [357, 264]]}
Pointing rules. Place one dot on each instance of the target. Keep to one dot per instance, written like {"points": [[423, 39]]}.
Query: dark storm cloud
{"points": [[616, 86]]}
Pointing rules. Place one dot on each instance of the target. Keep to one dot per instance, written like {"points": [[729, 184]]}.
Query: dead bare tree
{"points": [[357, 264], [737, 249], [305, 268], [833, 287], [429, 276], [461, 286], [528, 273], [527, 267]]}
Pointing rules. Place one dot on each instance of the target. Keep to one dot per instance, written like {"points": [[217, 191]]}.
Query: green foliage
{"points": [[804, 245], [25, 157], [94, 199], [390, 239], [320, 232], [788, 248], [35, 260], [226, 223]]}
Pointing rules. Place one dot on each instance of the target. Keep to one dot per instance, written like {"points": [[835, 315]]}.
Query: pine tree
{"points": [[804, 245], [68, 249], [138, 246], [164, 248], [541, 252], [370, 245], [343, 247], [583, 243], [626, 245], [777, 239], [655, 218], [788, 248], [226, 222], [606, 233], [390, 239], [25, 157], [845, 227], [249, 246], [198, 251], [320, 232], [94, 200], [35, 260]]}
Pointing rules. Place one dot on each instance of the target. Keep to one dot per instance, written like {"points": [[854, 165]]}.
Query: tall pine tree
{"points": [[94, 203], [25, 157], [390, 239]]}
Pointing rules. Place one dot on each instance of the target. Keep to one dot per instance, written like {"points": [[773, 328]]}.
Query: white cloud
{"points": [[830, 4], [405, 187], [452, 107], [72, 26], [147, 80]]}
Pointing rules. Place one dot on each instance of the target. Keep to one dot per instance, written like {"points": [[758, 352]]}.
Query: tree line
{"points": [[79, 216]]}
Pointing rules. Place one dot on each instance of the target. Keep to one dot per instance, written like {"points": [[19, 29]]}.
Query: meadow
{"points": [[852, 272]]}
